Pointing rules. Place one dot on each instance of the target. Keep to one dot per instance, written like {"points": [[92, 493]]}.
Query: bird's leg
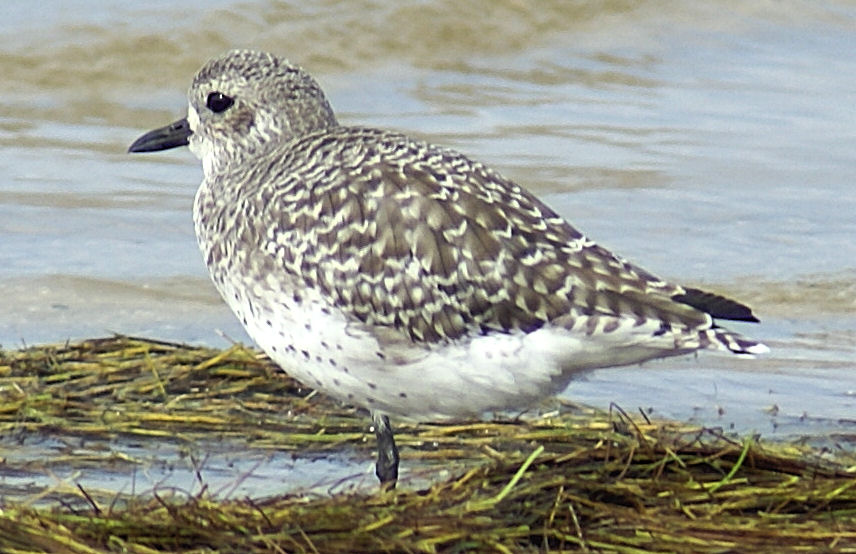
{"points": [[386, 468]]}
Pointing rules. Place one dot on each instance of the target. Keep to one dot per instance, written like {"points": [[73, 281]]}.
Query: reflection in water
{"points": [[711, 142]]}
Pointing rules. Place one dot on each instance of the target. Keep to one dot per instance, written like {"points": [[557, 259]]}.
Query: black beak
{"points": [[174, 134]]}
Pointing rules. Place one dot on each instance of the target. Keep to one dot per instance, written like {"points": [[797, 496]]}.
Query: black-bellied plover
{"points": [[405, 277]]}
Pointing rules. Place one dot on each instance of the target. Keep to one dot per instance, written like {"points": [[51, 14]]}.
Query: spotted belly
{"points": [[324, 349]]}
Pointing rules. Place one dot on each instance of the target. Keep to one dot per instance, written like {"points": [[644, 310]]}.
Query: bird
{"points": [[402, 276]]}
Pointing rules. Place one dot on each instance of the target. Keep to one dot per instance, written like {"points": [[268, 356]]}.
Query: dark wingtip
{"points": [[717, 306]]}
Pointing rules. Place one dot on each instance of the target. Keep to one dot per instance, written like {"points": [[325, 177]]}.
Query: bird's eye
{"points": [[218, 102]]}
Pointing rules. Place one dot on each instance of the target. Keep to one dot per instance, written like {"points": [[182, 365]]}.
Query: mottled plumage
{"points": [[403, 276]]}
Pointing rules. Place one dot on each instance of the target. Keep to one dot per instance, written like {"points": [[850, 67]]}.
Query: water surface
{"points": [[711, 143]]}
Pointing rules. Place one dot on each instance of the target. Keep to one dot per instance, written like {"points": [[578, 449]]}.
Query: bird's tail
{"points": [[720, 338]]}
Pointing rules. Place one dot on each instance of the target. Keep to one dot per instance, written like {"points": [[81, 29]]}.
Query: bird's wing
{"points": [[406, 235]]}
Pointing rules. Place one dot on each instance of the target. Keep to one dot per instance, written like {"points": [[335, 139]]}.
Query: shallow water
{"points": [[711, 143]]}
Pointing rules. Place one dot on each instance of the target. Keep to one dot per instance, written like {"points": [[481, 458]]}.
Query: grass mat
{"points": [[569, 481]]}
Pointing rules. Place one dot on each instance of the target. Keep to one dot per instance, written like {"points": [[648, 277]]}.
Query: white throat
{"points": [[200, 147]]}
